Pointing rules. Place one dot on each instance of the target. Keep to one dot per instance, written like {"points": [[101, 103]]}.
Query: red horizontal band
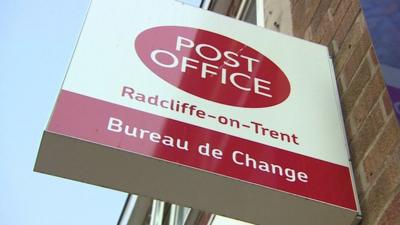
{"points": [[104, 123]]}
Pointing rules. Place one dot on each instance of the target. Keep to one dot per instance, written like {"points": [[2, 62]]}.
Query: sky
{"points": [[37, 39]]}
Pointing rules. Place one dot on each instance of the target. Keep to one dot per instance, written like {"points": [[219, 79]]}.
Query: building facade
{"points": [[372, 129], [373, 132], [369, 117]]}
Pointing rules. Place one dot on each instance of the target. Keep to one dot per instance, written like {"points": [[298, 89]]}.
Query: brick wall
{"points": [[372, 130]]}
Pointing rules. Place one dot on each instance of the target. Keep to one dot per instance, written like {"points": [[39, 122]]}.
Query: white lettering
{"points": [[235, 159], [217, 56], [258, 86], [154, 54], [179, 43], [289, 174], [117, 125], [186, 65], [195, 65], [250, 62], [114, 125], [204, 70], [227, 55], [234, 82]]}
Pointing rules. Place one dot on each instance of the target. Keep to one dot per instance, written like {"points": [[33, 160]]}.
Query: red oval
{"points": [[212, 66]]}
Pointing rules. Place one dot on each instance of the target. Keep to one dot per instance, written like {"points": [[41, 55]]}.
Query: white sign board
{"points": [[187, 106]]}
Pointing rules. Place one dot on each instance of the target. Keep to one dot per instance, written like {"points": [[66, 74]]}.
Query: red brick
{"points": [[332, 49], [352, 38], [355, 88], [371, 59], [368, 98], [366, 135], [381, 193], [315, 20], [350, 130], [335, 21], [324, 23], [346, 23], [391, 215], [302, 13], [341, 86], [387, 103], [359, 178], [374, 58], [359, 53], [334, 6], [382, 149], [368, 115]]}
